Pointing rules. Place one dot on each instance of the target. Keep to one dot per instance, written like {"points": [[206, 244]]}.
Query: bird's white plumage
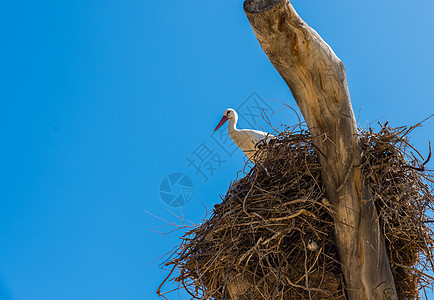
{"points": [[246, 139]]}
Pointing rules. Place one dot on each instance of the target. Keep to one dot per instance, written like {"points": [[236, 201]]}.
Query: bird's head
{"points": [[227, 115]]}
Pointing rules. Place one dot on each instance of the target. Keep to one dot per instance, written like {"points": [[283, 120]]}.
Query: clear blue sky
{"points": [[100, 100]]}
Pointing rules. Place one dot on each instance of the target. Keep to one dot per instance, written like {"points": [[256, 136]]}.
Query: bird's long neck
{"points": [[232, 127]]}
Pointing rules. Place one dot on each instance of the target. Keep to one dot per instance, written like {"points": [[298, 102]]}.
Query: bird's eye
{"points": [[228, 113]]}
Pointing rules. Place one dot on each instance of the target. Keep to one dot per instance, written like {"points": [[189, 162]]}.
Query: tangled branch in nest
{"points": [[272, 237], [402, 194]]}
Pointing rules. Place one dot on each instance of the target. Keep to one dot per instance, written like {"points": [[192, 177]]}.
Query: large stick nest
{"points": [[272, 236]]}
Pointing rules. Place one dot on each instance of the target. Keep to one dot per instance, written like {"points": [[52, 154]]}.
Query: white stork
{"points": [[246, 139]]}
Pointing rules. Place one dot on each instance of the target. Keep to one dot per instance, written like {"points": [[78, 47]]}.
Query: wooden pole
{"points": [[317, 80]]}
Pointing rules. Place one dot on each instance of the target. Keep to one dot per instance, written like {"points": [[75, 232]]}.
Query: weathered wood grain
{"points": [[317, 80]]}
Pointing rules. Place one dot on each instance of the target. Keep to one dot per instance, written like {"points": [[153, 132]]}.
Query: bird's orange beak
{"points": [[222, 121]]}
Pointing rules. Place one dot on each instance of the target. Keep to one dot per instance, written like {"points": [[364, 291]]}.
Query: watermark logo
{"points": [[176, 189], [208, 157], [253, 109], [205, 161]]}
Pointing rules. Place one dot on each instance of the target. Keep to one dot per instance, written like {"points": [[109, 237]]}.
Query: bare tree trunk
{"points": [[317, 80]]}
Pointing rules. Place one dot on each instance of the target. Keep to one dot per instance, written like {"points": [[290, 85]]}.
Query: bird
{"points": [[247, 140]]}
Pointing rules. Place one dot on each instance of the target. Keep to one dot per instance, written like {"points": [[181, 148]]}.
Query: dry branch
{"points": [[317, 81]]}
